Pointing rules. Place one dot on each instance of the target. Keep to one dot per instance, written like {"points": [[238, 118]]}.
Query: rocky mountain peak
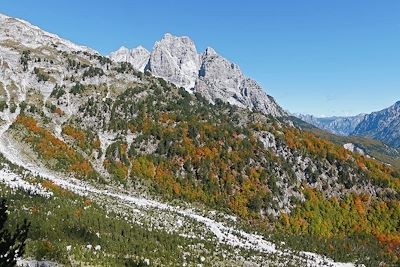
{"points": [[138, 57], [210, 52], [122, 50], [169, 39], [337, 125], [141, 48], [122, 54], [396, 106], [176, 60], [222, 79]]}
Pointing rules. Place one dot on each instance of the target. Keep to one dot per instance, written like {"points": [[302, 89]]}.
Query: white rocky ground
{"points": [[353, 148]]}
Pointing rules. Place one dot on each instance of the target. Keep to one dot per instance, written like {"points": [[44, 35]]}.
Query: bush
{"points": [[92, 72], [42, 76]]}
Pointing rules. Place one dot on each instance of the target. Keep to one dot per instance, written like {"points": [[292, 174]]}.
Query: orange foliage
{"points": [[296, 139], [97, 144], [76, 134], [51, 148], [77, 213], [55, 188], [58, 111], [164, 117], [238, 204], [81, 168], [359, 206], [29, 123], [123, 147], [361, 165], [310, 195], [34, 210], [132, 128], [285, 219]]}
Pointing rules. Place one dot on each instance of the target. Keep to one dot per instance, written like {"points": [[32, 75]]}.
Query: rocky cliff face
{"points": [[176, 60], [221, 79], [383, 125], [137, 57]]}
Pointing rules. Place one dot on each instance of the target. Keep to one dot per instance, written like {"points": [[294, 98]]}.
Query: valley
{"points": [[174, 158]]}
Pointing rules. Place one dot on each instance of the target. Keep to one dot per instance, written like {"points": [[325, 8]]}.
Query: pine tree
{"points": [[12, 245]]}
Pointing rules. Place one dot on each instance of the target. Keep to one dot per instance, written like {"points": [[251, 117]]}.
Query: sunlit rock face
{"points": [[176, 60]]}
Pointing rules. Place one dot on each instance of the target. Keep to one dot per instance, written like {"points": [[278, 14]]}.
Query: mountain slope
{"points": [[24, 33], [77, 126], [382, 125], [176, 60], [373, 148]]}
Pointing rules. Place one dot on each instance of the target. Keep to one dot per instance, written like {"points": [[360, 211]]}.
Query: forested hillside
{"points": [[117, 167]]}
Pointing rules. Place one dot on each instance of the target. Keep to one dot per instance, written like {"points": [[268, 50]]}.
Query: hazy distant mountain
{"points": [[336, 125], [382, 125]]}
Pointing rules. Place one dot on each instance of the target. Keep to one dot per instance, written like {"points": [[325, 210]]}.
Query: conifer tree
{"points": [[12, 245]]}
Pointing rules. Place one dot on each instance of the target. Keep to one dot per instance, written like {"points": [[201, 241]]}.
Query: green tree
{"points": [[12, 245]]}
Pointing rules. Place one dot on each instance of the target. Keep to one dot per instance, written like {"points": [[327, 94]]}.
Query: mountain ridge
{"points": [[32, 36], [383, 125], [176, 60], [340, 125]]}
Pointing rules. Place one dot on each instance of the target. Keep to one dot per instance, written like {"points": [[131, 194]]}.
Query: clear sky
{"points": [[318, 57]]}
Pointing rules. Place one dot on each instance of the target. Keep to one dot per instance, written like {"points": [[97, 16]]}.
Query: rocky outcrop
{"points": [[176, 60], [137, 57], [221, 79]]}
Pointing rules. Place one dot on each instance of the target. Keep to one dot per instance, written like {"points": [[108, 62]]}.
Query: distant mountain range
{"points": [[382, 125], [337, 125]]}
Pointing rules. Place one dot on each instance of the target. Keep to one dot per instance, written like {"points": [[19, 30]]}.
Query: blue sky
{"points": [[318, 57]]}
